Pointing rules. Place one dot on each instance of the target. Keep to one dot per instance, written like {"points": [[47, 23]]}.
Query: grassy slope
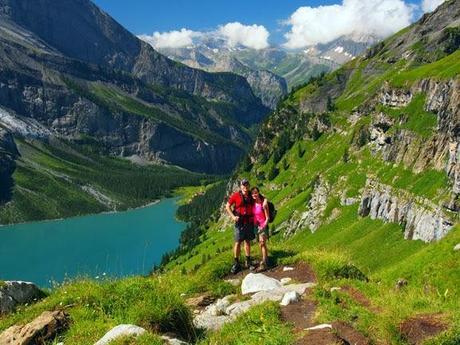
{"points": [[344, 239]]}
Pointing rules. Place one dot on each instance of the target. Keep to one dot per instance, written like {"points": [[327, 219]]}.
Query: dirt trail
{"points": [[417, 329]]}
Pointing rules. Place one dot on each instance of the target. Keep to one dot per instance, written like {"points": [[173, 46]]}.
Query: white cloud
{"points": [[323, 24], [251, 36], [171, 39], [430, 5]]}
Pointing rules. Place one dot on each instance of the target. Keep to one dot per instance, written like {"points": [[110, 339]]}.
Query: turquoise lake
{"points": [[97, 246]]}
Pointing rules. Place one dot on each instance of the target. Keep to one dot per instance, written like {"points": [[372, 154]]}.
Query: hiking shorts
{"points": [[265, 232], [244, 232]]}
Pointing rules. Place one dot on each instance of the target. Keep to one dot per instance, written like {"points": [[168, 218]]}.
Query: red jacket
{"points": [[243, 207]]}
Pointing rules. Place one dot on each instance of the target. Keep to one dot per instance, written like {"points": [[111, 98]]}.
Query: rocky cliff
{"points": [[266, 85], [86, 79], [8, 154]]}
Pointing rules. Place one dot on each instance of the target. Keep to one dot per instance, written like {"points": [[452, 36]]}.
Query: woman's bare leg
{"points": [[263, 248]]}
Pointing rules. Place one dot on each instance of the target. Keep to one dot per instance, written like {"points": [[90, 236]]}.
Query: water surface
{"points": [[115, 244]]}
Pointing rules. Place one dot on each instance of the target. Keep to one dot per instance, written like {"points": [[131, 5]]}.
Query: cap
{"points": [[244, 181]]}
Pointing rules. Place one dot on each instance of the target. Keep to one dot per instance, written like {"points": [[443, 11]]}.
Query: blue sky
{"points": [[149, 16]]}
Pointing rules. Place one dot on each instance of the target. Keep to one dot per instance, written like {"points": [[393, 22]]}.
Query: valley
{"points": [[362, 164]]}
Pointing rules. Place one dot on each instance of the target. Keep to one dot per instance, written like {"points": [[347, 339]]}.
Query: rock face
{"points": [[403, 146], [14, 293], [49, 75], [8, 154], [269, 87], [40, 331], [420, 219], [312, 217], [120, 331]]}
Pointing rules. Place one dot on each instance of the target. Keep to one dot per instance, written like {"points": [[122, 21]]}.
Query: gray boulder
{"points": [[290, 297], [255, 282], [120, 331], [14, 293], [173, 341]]}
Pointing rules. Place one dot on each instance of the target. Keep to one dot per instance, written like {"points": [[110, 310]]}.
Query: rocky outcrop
{"points": [[120, 331], [15, 293], [420, 219], [394, 97], [442, 98], [312, 217], [8, 155], [40, 331], [263, 288]]}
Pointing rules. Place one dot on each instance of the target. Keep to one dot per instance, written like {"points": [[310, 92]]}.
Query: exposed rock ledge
{"points": [[311, 218], [421, 219]]}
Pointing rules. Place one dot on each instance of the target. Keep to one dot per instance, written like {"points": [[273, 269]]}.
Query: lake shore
{"points": [[155, 202]]}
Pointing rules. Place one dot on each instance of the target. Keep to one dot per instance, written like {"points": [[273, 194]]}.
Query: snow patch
{"points": [[339, 49], [25, 127]]}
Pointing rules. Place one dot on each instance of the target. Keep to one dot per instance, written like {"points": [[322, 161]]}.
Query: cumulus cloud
{"points": [[251, 36], [430, 5], [172, 39], [323, 24]]}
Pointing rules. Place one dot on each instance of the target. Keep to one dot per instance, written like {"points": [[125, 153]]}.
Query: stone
{"points": [[287, 268], [457, 247], [120, 331], [200, 301], [255, 282], [173, 341], [285, 281], [234, 282], [215, 316], [210, 322], [401, 283], [290, 297], [41, 330], [219, 307], [240, 307], [322, 326], [14, 293]]}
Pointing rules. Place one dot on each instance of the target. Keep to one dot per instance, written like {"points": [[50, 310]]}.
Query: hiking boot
{"points": [[262, 267], [249, 265], [235, 268]]}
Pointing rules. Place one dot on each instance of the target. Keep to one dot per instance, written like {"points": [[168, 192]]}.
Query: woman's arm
{"points": [[266, 211]]}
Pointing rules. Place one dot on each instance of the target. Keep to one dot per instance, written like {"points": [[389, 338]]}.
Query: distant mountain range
{"points": [[265, 69]]}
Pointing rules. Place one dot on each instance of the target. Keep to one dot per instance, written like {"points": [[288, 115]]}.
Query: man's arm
{"points": [[228, 207]]}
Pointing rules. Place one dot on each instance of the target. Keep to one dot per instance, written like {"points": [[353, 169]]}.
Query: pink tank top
{"points": [[259, 213]]}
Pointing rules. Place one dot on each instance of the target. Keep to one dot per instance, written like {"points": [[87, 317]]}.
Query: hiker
{"points": [[261, 218], [242, 215]]}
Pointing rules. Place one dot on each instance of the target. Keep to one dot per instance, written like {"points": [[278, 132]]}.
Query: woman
{"points": [[261, 217]]}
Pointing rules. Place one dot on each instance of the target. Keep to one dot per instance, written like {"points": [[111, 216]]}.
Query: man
{"points": [[242, 215]]}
